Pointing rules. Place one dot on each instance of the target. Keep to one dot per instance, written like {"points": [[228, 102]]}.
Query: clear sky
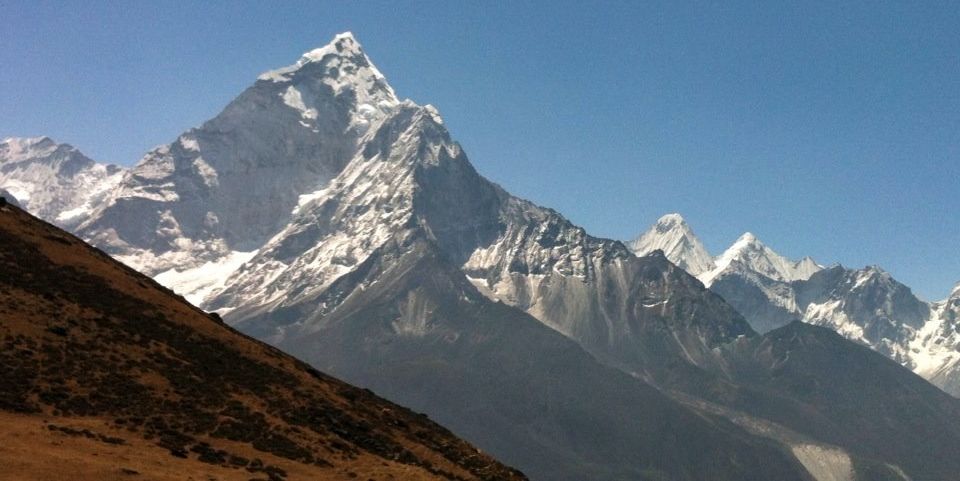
{"points": [[827, 130]]}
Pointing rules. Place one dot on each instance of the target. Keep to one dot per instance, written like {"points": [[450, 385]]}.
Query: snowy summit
{"points": [[676, 239]]}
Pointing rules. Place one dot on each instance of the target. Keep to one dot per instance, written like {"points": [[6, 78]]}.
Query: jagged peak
{"points": [[746, 242], [23, 146], [344, 44], [672, 219], [666, 224], [15, 149], [873, 269], [806, 267], [872, 274], [956, 290], [672, 222], [27, 141], [344, 47], [749, 253], [343, 66], [672, 235], [434, 113], [748, 239]]}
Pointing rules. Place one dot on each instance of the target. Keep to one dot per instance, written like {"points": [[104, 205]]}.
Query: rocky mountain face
{"points": [[411, 178], [866, 305], [375, 251], [220, 191], [54, 181], [935, 348], [758, 282], [412, 327], [107, 375]]}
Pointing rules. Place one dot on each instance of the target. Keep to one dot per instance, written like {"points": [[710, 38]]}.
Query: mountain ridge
{"points": [[866, 305], [56, 181]]}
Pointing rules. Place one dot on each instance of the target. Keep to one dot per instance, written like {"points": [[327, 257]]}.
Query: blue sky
{"points": [[827, 130]]}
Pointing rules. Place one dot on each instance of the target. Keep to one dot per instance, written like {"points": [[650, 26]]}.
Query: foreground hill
{"points": [[105, 374]]}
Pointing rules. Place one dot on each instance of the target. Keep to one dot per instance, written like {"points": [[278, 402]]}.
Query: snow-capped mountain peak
{"points": [[14, 149], [749, 253], [671, 220], [866, 305], [221, 190], [672, 235], [52, 180], [342, 44], [343, 66], [806, 267]]}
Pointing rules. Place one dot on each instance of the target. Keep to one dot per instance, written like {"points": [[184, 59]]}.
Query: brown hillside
{"points": [[104, 374]]}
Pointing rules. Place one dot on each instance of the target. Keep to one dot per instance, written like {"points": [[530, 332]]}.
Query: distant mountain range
{"points": [[54, 181], [323, 214], [865, 305]]}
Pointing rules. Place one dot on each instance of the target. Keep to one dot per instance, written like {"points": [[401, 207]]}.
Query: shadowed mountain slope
{"points": [[812, 380], [419, 332]]}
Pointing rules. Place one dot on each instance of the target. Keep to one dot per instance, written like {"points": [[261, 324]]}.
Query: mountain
{"points": [[409, 180], [936, 346], [672, 235], [54, 181], [211, 198], [414, 328], [865, 305], [378, 278], [375, 251], [131, 380], [758, 282], [749, 254], [837, 392], [749, 275], [513, 251], [108, 375], [298, 180]]}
